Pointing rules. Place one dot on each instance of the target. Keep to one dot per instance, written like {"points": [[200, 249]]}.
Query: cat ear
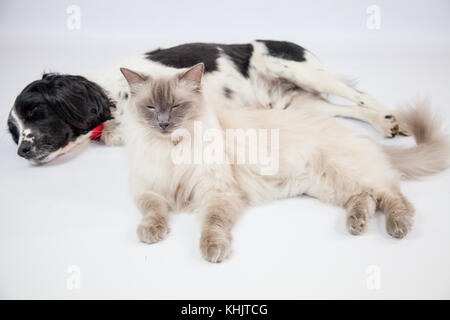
{"points": [[194, 74], [132, 77]]}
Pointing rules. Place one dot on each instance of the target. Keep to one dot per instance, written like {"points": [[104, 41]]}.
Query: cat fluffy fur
{"points": [[318, 157]]}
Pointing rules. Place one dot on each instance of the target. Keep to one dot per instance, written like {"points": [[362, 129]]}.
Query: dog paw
{"points": [[398, 226], [215, 247], [176, 139], [112, 139], [357, 222], [152, 230], [388, 126], [111, 134]]}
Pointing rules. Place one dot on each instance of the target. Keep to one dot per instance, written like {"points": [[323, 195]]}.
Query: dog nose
{"points": [[163, 125], [25, 150]]}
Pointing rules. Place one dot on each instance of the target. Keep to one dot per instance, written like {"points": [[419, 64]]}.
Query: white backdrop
{"points": [[67, 229]]}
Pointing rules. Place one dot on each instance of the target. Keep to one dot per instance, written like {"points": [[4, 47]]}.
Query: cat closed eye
{"points": [[151, 107]]}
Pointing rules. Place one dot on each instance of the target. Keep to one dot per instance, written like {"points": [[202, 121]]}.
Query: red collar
{"points": [[97, 132]]}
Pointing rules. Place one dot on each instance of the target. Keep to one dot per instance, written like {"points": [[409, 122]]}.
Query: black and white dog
{"points": [[58, 113]]}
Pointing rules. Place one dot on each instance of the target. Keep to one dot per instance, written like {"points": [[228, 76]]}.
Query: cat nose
{"points": [[163, 125]]}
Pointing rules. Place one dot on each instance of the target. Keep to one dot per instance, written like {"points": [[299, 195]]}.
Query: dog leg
{"points": [[312, 76], [112, 134], [385, 126]]}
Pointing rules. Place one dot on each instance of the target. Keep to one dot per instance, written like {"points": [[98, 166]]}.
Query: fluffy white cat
{"points": [[315, 154]]}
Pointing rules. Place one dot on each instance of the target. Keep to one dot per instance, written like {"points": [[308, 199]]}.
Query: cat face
{"points": [[165, 104]]}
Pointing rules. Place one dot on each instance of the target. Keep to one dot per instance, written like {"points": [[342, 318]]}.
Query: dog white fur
{"points": [[264, 88]]}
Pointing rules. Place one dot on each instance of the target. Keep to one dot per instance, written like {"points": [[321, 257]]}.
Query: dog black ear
{"points": [[79, 102], [48, 74]]}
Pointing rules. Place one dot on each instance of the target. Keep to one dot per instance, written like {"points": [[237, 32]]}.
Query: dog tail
{"points": [[432, 151]]}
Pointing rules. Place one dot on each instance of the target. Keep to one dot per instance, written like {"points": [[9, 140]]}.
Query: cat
{"points": [[317, 156]]}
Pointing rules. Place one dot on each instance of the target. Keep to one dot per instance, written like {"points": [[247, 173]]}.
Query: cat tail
{"points": [[432, 151]]}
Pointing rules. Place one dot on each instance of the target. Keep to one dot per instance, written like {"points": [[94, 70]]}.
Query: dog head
{"points": [[51, 114]]}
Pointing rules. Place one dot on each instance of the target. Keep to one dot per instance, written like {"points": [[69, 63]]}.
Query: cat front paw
{"points": [[152, 230], [357, 222], [215, 247], [399, 226]]}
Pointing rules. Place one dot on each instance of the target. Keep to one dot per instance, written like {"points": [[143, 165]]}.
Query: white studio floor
{"points": [[72, 221]]}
